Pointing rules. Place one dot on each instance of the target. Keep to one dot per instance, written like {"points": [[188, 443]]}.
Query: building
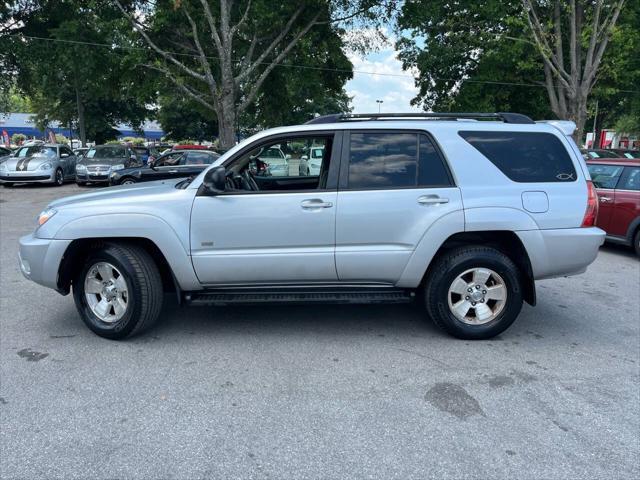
{"points": [[23, 123]]}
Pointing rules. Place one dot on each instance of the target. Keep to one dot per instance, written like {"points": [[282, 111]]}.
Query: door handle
{"points": [[173, 171], [315, 203], [605, 199], [432, 200]]}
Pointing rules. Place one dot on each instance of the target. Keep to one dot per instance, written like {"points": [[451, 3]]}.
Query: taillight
{"points": [[591, 214]]}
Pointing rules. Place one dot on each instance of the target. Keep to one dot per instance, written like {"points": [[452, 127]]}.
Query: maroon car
{"points": [[617, 183]]}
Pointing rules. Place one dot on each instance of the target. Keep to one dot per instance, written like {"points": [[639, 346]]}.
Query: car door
{"points": [[267, 236], [605, 178], [393, 186], [192, 163], [626, 203]]}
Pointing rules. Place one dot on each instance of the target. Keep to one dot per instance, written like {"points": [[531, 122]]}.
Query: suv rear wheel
{"points": [[118, 292], [474, 292]]}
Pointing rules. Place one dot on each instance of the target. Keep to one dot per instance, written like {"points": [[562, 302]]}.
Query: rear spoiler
{"points": [[565, 126]]}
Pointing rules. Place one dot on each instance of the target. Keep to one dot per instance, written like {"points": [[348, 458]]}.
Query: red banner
{"points": [[52, 137], [5, 137]]}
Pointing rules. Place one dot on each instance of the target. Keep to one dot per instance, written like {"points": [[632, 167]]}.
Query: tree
{"points": [[220, 53], [487, 53], [571, 61], [58, 55]]}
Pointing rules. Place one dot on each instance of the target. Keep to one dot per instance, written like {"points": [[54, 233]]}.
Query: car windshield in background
{"points": [[35, 150], [603, 154], [106, 152], [48, 152]]}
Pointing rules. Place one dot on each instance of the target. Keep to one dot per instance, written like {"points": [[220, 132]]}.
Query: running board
{"points": [[305, 297]]}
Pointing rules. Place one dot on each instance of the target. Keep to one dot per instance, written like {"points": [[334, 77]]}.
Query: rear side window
{"points": [[631, 179], [379, 160], [525, 156], [605, 176]]}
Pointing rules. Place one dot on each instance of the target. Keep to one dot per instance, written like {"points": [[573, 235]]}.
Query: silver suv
{"points": [[460, 212]]}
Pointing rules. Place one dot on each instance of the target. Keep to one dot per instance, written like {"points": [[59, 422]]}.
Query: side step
{"points": [[221, 298]]}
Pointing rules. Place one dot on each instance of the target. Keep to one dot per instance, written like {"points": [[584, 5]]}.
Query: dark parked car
{"points": [[623, 152], [100, 161], [145, 154], [590, 153], [175, 164], [617, 183]]}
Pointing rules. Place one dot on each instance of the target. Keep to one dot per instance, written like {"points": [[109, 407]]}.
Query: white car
{"points": [[311, 164], [276, 160]]}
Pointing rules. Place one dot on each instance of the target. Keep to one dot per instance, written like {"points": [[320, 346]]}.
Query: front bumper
{"points": [[40, 259], [36, 176], [561, 252], [87, 177]]}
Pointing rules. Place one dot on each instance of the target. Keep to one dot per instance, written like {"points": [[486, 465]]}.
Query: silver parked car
{"points": [[46, 163], [311, 162], [463, 215], [99, 162]]}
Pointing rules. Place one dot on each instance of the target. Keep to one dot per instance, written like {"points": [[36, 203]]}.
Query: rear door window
{"points": [[630, 179], [524, 156], [605, 176], [382, 160]]}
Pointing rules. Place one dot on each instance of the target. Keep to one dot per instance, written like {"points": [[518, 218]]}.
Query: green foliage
{"points": [[66, 80], [61, 139], [18, 138], [133, 140]]}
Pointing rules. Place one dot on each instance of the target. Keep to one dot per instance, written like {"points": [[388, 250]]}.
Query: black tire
{"points": [[452, 264], [127, 181], [143, 282], [59, 178], [82, 184], [636, 242], [7, 184]]}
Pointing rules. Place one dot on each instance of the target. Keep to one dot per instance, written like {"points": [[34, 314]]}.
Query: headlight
{"points": [[81, 168], [3, 167], [45, 215], [120, 166], [46, 166]]}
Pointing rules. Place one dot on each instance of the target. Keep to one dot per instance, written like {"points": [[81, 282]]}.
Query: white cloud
{"points": [[379, 76]]}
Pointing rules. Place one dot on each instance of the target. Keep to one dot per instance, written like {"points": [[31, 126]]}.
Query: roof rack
{"points": [[506, 117]]}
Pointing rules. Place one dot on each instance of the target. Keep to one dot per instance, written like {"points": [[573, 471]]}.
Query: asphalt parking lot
{"points": [[319, 392]]}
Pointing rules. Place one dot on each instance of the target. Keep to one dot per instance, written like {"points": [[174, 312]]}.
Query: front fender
{"points": [[137, 225]]}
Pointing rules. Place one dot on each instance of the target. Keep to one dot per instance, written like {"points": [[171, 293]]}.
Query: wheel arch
{"points": [[504, 241], [634, 226], [78, 250]]}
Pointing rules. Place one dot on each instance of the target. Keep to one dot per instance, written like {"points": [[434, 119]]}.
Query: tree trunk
{"points": [[81, 128], [226, 124]]}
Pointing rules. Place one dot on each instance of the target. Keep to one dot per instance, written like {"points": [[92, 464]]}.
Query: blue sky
{"points": [[395, 87]]}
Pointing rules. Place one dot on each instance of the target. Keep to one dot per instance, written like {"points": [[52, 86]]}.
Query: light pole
{"points": [[379, 102]]}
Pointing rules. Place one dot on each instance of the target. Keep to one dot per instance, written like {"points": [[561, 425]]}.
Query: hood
{"points": [[102, 161], [23, 164], [121, 194]]}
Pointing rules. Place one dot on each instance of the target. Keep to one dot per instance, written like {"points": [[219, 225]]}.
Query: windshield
{"points": [[36, 150], [106, 152]]}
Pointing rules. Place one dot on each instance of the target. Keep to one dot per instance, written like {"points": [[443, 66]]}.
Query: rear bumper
{"points": [[561, 252], [40, 259]]}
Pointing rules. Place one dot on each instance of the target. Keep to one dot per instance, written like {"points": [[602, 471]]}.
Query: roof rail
{"points": [[506, 117]]}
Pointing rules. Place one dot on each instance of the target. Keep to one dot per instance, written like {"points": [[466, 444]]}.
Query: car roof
{"points": [[629, 162]]}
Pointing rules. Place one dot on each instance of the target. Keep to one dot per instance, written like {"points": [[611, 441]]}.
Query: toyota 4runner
{"points": [[462, 212]]}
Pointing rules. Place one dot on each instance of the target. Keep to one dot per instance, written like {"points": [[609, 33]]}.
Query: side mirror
{"points": [[287, 157], [64, 155], [304, 157], [215, 180]]}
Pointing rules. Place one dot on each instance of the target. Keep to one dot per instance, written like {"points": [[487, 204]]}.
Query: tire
{"points": [[636, 242], [463, 269], [7, 184], [142, 283], [127, 181], [82, 184], [59, 178]]}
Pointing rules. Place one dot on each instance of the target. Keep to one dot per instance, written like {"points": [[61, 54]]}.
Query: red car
{"points": [[617, 183]]}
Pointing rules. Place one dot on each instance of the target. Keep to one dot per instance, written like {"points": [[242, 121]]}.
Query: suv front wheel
{"points": [[474, 292], [118, 292]]}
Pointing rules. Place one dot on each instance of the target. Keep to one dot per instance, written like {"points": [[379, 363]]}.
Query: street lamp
{"points": [[379, 102]]}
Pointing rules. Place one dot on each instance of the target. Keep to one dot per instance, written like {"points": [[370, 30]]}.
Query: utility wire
{"points": [[290, 65]]}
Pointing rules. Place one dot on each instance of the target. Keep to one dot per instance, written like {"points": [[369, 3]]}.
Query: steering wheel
{"points": [[250, 181]]}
